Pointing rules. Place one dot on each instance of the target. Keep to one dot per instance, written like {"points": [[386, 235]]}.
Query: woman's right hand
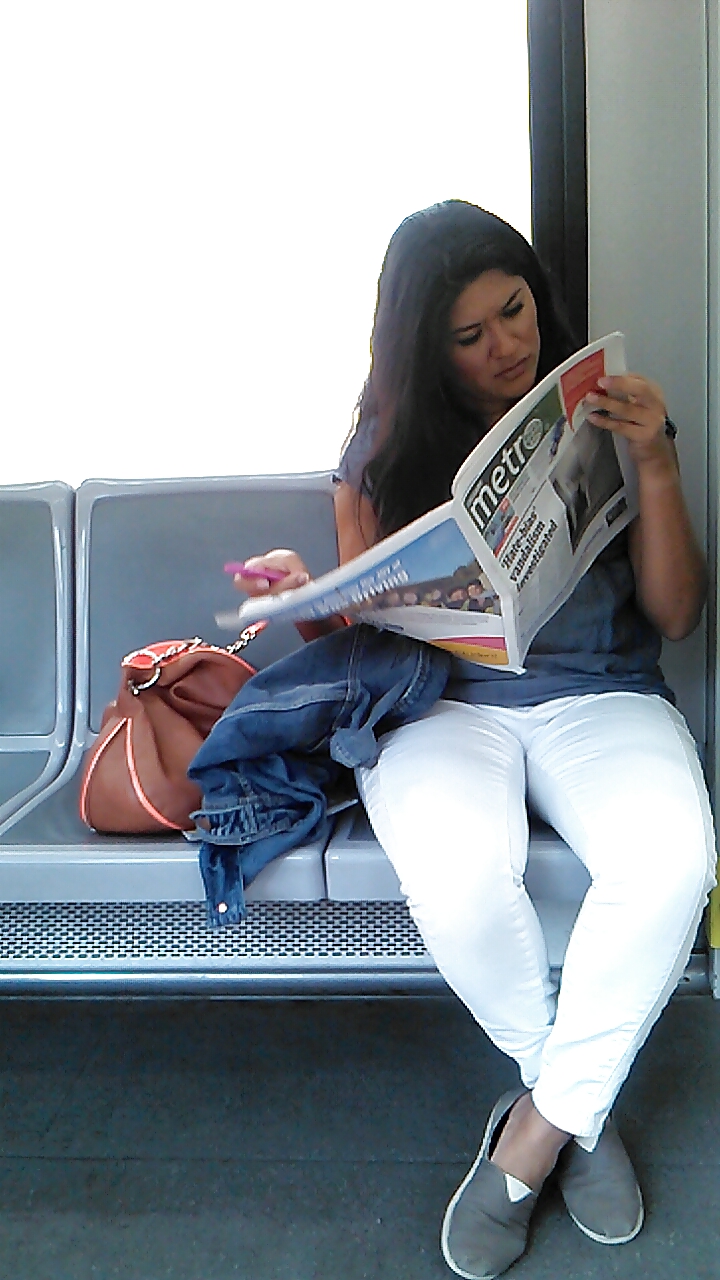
{"points": [[283, 561]]}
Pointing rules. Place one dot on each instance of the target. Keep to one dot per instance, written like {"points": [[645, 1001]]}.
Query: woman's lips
{"points": [[515, 370]]}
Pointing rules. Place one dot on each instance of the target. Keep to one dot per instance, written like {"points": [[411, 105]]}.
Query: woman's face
{"points": [[494, 341]]}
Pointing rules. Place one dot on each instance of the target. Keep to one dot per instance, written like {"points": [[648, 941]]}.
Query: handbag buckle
{"points": [[137, 689], [156, 659]]}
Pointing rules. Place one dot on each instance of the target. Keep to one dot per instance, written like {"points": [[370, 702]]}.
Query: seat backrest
{"points": [[36, 648], [150, 564]]}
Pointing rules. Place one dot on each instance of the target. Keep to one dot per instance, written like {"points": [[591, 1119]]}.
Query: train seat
{"points": [[36, 534], [83, 912], [149, 562]]}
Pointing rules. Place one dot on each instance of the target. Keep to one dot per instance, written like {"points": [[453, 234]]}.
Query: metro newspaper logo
{"points": [[503, 474]]}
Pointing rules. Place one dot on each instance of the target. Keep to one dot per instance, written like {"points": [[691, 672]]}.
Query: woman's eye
{"points": [[470, 340], [515, 310]]}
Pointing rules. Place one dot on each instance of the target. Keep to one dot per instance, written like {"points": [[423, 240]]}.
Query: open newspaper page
{"points": [[423, 581], [534, 504], [544, 492]]}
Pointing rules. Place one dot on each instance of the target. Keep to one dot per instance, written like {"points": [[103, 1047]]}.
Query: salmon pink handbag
{"points": [[171, 694]]}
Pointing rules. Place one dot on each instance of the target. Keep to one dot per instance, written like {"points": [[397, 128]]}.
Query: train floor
{"points": [[312, 1141]]}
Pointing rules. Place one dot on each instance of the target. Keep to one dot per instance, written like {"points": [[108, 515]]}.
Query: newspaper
{"points": [[532, 506]]}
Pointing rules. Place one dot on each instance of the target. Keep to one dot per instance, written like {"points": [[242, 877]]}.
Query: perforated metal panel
{"points": [[167, 949], [111, 934]]}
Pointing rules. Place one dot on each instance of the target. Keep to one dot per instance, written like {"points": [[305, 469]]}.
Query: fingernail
{"points": [[603, 382], [303, 578]]}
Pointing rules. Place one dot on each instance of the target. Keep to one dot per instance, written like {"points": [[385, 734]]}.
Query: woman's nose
{"points": [[502, 341]]}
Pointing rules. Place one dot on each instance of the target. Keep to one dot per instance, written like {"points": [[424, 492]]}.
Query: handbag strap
{"points": [[156, 660], [245, 637]]}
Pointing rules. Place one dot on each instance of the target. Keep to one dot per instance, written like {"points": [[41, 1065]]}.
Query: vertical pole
{"points": [[556, 51], [713, 397]]}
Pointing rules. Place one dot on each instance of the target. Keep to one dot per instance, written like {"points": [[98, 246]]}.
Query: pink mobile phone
{"points": [[237, 566]]}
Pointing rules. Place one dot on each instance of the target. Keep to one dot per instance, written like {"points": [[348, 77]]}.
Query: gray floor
{"points": [[311, 1141]]}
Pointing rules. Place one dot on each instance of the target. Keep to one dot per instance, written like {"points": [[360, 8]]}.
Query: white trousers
{"points": [[618, 777]]}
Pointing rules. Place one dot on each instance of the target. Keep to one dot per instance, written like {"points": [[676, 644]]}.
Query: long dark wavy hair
{"points": [[426, 427]]}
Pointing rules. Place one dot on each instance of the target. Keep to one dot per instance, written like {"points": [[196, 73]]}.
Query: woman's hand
{"points": [[634, 407], [295, 575], [669, 568], [283, 561]]}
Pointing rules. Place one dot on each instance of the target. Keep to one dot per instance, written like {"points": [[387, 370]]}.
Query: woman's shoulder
{"points": [[357, 452]]}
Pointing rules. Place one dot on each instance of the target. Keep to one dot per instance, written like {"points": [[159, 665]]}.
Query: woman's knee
{"points": [[683, 874], [475, 915], [663, 879], [461, 877]]}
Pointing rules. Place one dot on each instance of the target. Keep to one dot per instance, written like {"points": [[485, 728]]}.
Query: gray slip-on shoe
{"points": [[600, 1189], [484, 1231]]}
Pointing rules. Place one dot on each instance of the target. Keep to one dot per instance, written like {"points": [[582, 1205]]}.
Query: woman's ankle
{"points": [[528, 1145]]}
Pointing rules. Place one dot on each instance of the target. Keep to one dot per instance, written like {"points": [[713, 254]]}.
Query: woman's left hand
{"points": [[634, 407], [670, 577]]}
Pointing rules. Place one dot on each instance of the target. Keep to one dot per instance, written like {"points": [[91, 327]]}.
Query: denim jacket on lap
{"points": [[267, 765]]}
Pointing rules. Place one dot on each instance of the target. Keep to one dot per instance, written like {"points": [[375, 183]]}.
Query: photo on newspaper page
{"points": [[423, 581], [547, 490], [448, 599]]}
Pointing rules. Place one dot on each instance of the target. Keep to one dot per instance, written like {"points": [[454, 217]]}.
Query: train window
{"points": [[197, 203]]}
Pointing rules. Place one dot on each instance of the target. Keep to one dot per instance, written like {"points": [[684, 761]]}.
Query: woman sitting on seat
{"points": [[588, 737]]}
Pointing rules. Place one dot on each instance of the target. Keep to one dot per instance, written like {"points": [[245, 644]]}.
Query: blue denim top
{"points": [[599, 641]]}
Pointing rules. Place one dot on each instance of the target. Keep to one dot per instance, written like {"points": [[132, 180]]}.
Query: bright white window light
{"points": [[197, 200]]}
